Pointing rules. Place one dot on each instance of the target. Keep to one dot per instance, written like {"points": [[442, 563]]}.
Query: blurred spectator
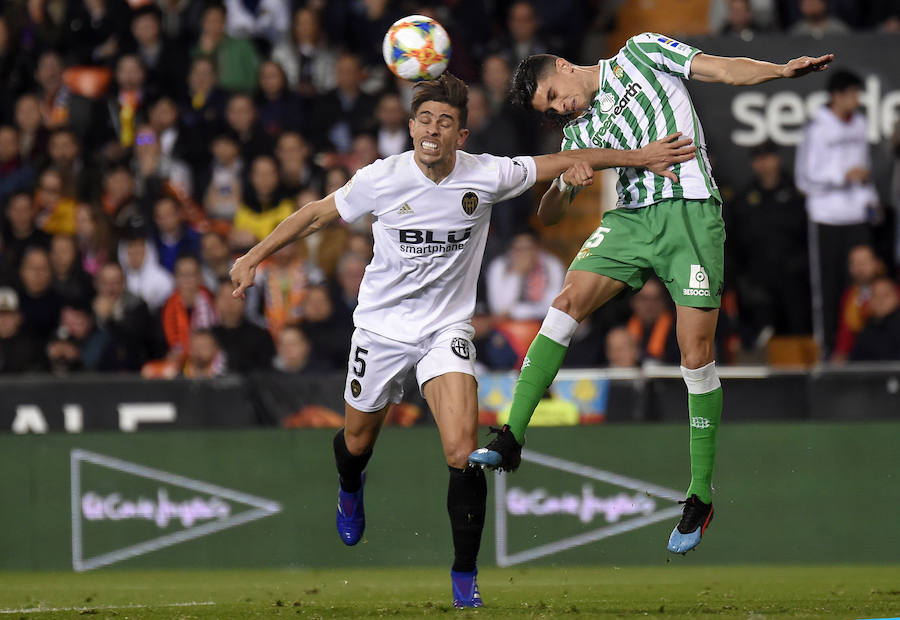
{"points": [[70, 281], [294, 351], [365, 27], [489, 132], [127, 104], [739, 20], [39, 25], [325, 331], [879, 340], [164, 59], [393, 128], [496, 76], [94, 237], [96, 30], [39, 303], [190, 307], [19, 351], [247, 347], [205, 358], [769, 213], [264, 21], [816, 21], [15, 174], [203, 111], [60, 107], [163, 119], [652, 324], [350, 270], [145, 277], [297, 171], [523, 40], [240, 116], [130, 338], [180, 20], [522, 284], [335, 178], [345, 111], [20, 231], [833, 169], [307, 59], [55, 205], [622, 348], [156, 174], [280, 287], [216, 260], [64, 152], [15, 74], [235, 59], [495, 352], [864, 268], [224, 186], [263, 206], [172, 237], [279, 108], [363, 152], [75, 345], [118, 200], [32, 133]]}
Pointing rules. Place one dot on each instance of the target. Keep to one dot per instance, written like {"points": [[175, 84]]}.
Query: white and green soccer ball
{"points": [[416, 48]]}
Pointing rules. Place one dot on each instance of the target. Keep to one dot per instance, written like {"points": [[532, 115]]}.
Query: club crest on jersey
{"points": [[355, 388], [618, 71], [460, 348], [470, 202], [607, 103]]}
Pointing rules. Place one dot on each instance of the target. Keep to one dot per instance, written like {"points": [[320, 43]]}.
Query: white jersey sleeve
{"points": [[514, 175], [358, 196], [661, 53]]}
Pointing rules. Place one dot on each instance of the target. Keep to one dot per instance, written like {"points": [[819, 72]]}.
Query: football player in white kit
{"points": [[431, 209]]}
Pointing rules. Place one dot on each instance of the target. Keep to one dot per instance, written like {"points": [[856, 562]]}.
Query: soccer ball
{"points": [[416, 48]]}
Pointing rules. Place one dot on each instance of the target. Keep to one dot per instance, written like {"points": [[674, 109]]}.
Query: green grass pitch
{"points": [[670, 591]]}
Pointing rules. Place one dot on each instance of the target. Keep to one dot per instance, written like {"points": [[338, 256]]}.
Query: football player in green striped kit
{"points": [[671, 228]]}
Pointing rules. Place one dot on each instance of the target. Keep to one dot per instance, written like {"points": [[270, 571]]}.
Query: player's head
{"points": [[439, 117], [844, 88], [552, 86]]}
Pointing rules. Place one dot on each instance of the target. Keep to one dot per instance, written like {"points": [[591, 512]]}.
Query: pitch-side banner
{"points": [[738, 118]]}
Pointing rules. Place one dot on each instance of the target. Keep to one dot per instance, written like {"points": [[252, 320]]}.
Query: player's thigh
{"points": [[613, 257], [689, 250], [696, 332], [446, 376]]}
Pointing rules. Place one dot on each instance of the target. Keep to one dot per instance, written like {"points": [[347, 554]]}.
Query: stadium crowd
{"points": [[143, 145]]}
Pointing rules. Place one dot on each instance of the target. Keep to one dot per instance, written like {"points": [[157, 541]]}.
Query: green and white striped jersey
{"points": [[642, 98]]}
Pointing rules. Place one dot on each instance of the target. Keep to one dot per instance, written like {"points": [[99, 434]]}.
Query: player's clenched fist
{"points": [[581, 175], [242, 276]]}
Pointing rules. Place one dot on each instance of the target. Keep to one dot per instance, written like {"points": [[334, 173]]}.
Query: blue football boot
{"points": [[694, 521], [465, 589], [351, 514], [503, 452]]}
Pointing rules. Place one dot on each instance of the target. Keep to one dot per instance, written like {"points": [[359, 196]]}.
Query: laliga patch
{"points": [[469, 202], [355, 388], [460, 348]]}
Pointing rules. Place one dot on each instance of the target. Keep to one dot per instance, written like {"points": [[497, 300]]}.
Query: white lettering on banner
{"points": [[29, 419], [585, 507], [132, 414], [112, 507], [782, 116], [73, 418]]}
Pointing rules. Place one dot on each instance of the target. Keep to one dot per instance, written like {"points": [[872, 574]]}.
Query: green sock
{"points": [[542, 362], [706, 412]]}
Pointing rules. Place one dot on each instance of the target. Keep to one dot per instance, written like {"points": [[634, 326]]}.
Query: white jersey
{"points": [[429, 238], [641, 97], [830, 148]]}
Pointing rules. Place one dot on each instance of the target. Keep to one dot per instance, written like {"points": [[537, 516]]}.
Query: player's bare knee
{"points": [[359, 441], [699, 354], [567, 301]]}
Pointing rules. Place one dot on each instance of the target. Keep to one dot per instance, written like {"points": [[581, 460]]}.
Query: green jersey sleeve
{"points": [[661, 53]]}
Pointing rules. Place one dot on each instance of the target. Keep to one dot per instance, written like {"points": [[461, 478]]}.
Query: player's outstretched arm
{"points": [[747, 71], [308, 219], [656, 157]]}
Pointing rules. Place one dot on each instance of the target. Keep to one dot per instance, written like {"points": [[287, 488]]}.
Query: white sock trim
{"points": [[701, 380], [558, 326]]}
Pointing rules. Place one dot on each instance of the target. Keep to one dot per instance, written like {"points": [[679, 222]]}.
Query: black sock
{"points": [[466, 504], [350, 467]]}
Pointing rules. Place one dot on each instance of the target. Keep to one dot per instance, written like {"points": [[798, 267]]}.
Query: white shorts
{"points": [[378, 366]]}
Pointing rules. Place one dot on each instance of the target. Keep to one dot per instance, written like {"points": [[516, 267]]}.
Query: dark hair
{"points": [[842, 80], [447, 89], [526, 76]]}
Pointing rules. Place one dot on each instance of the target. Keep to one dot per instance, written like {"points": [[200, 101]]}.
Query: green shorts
{"points": [[682, 241]]}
